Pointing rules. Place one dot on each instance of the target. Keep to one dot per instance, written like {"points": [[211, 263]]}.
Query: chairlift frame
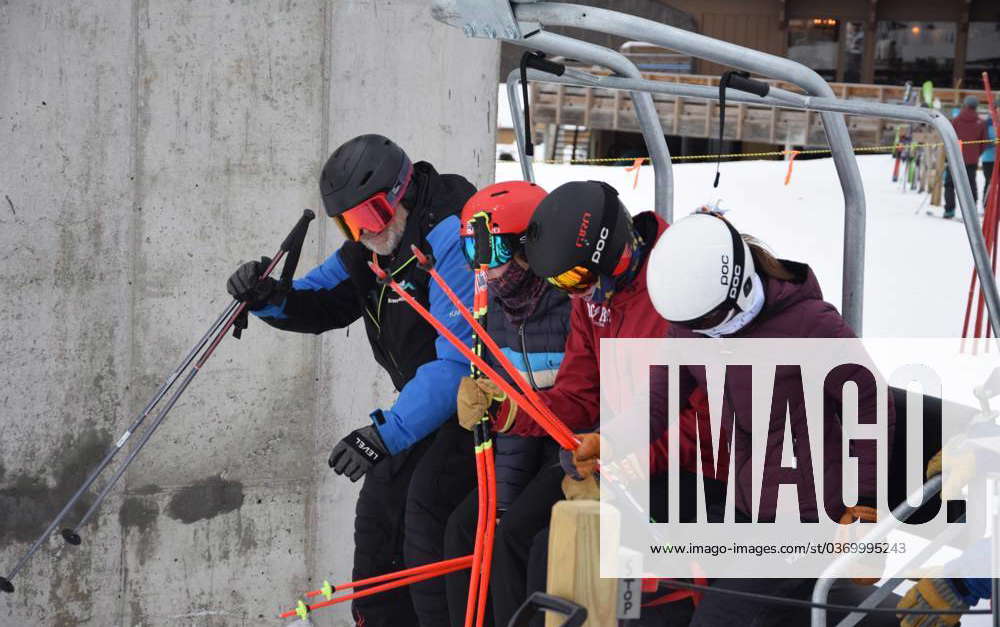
{"points": [[531, 18], [521, 22]]}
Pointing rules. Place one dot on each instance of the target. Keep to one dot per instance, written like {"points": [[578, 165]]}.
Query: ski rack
{"points": [[819, 96], [533, 16]]}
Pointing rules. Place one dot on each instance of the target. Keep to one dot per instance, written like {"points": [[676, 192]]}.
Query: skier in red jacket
{"points": [[583, 241], [969, 128]]}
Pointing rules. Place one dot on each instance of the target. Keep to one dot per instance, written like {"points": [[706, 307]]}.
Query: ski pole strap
{"points": [[293, 246]]}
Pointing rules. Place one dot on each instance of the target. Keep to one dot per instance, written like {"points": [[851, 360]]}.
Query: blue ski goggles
{"points": [[495, 251]]}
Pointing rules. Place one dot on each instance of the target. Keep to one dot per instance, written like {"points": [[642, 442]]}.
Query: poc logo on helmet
{"points": [[602, 241], [732, 281]]}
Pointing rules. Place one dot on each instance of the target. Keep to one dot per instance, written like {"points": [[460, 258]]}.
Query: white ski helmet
{"points": [[700, 272]]}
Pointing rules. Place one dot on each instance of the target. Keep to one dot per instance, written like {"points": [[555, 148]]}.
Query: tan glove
{"points": [[477, 397], [585, 489], [961, 465], [472, 403], [848, 532], [931, 594], [587, 455]]}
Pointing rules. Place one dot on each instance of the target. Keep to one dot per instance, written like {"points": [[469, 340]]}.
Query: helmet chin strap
{"points": [[743, 318]]}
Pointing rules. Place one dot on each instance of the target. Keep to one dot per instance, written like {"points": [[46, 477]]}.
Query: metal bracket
{"points": [[488, 19]]}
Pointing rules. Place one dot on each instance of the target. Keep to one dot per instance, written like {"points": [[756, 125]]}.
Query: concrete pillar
{"points": [[148, 147]]}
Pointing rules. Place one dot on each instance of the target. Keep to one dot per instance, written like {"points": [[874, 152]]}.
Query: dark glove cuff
{"points": [[368, 444]]}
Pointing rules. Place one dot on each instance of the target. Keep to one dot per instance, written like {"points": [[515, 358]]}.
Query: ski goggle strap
{"points": [[374, 214], [484, 248]]}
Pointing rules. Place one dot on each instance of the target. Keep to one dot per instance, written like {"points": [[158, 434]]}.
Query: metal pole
{"points": [[902, 511], [645, 108], [515, 104], [725, 53], [109, 456]]}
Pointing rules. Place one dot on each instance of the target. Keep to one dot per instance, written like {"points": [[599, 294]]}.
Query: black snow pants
{"points": [[949, 189], [400, 521]]}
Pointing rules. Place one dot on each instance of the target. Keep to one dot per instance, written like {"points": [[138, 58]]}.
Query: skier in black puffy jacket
{"points": [[529, 320], [416, 460]]}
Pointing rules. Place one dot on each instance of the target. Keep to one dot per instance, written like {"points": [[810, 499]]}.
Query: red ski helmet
{"points": [[494, 221]]}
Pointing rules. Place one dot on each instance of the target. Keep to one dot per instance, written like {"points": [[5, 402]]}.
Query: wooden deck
{"points": [[602, 109]]}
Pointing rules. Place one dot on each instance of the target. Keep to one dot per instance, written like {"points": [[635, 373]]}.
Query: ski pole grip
{"points": [[534, 61], [298, 233], [749, 85], [292, 246], [575, 614]]}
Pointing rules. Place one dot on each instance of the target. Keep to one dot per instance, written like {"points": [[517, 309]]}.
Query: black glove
{"points": [[358, 453], [245, 285]]}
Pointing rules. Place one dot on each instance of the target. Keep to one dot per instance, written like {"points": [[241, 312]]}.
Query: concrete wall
{"points": [[147, 148]]}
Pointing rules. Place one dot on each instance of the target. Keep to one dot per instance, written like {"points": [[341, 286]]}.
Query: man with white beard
{"points": [[417, 462]]}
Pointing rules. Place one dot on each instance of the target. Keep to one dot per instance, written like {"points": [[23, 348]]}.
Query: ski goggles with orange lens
{"points": [[375, 213], [581, 278], [576, 279]]}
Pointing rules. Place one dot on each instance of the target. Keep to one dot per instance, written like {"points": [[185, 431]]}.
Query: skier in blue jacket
{"points": [[416, 460]]}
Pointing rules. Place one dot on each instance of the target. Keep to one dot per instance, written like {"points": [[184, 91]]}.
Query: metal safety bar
{"points": [[645, 108], [790, 100]]}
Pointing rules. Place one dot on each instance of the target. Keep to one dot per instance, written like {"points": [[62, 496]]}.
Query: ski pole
{"points": [[482, 439], [426, 262], [5, 584], [291, 245], [303, 610], [550, 428], [328, 589], [490, 528]]}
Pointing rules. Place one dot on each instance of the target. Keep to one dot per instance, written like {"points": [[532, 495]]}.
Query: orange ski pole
{"points": [[328, 590], [304, 609]]}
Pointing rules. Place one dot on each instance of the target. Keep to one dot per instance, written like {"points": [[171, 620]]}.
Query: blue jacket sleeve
{"points": [[323, 299], [428, 399]]}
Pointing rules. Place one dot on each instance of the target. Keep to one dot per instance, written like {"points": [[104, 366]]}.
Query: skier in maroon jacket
{"points": [[969, 128], [774, 299]]}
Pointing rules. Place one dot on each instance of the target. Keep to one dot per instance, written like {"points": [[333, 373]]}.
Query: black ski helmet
{"points": [[359, 169], [581, 223]]}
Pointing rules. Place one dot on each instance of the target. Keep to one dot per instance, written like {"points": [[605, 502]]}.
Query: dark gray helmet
{"points": [[361, 168]]}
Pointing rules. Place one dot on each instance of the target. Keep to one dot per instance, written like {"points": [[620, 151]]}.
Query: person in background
{"points": [[989, 156], [969, 128]]}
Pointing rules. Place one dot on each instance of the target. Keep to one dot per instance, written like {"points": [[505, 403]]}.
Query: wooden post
{"points": [[961, 41], [868, 57], [880, 121], [560, 96], [574, 571], [618, 108], [774, 125], [678, 112], [741, 116], [589, 104], [709, 111]]}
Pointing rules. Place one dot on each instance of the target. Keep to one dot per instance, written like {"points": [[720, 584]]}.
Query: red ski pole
{"points": [[328, 589], [303, 609]]}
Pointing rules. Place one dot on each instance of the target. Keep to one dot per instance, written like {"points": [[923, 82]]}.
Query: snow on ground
{"points": [[917, 267]]}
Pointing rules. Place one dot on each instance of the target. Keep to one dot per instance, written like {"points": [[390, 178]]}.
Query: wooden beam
{"points": [[574, 571], [961, 41], [868, 58]]}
